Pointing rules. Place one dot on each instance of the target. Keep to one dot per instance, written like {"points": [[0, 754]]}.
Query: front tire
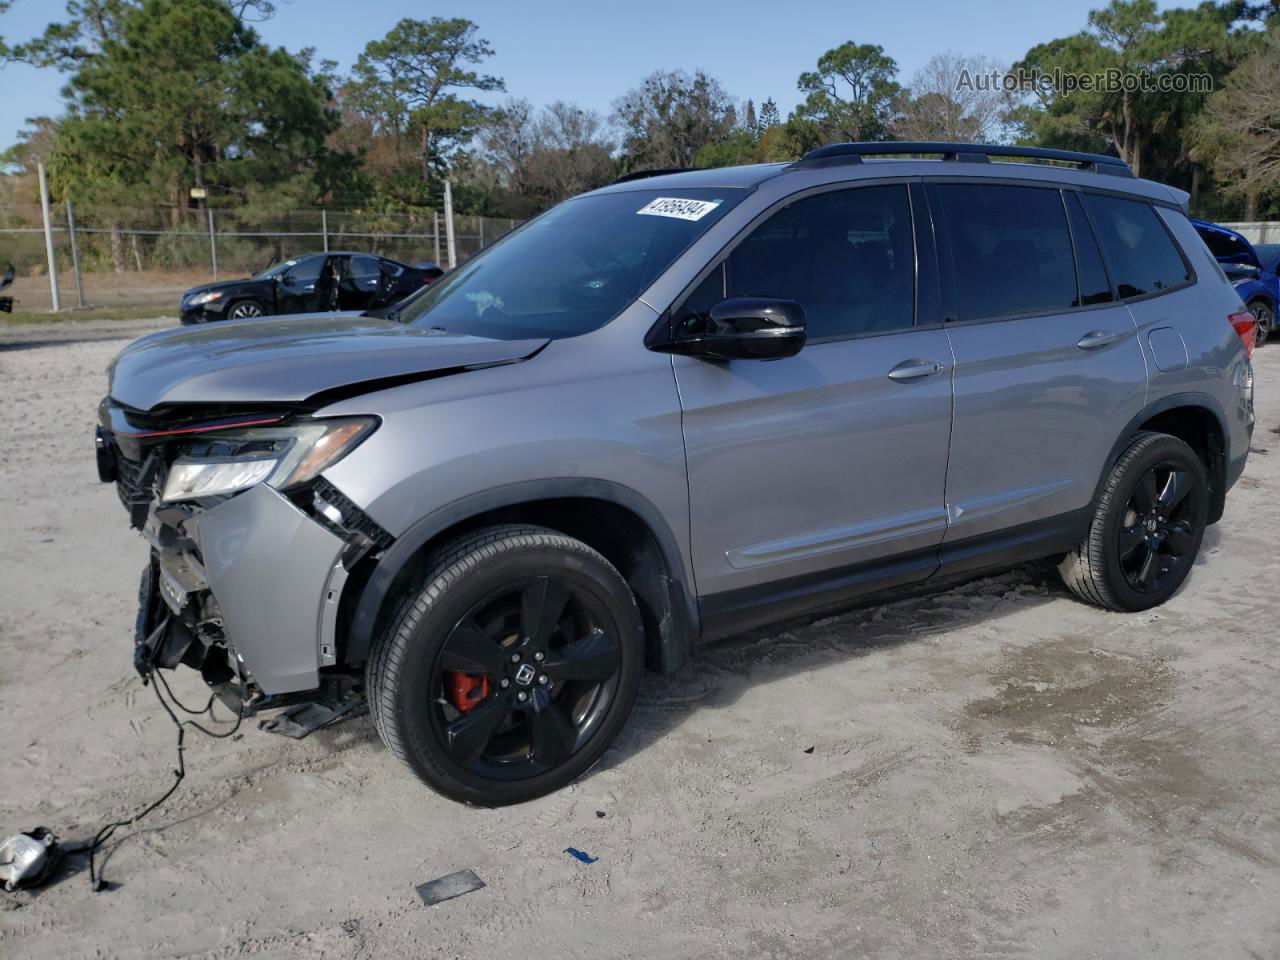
{"points": [[1147, 527], [245, 310], [1265, 317], [510, 669]]}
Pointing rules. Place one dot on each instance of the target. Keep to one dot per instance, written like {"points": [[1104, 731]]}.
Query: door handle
{"points": [[915, 370], [1097, 338]]}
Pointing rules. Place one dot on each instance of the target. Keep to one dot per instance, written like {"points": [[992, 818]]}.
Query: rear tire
{"points": [[510, 669], [1265, 317], [1146, 529]]}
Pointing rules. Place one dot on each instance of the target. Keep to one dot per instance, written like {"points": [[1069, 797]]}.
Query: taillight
{"points": [[1247, 327]]}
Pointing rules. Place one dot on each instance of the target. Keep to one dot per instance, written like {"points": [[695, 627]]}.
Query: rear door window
{"points": [[1141, 254], [365, 268], [1010, 250]]}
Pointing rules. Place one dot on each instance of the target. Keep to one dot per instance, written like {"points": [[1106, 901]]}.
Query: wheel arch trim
{"points": [[1164, 404], [377, 591]]}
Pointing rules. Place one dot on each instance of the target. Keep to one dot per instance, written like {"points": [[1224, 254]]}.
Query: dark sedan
{"points": [[311, 283]]}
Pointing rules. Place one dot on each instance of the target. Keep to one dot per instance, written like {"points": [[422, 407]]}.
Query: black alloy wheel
{"points": [[511, 666], [524, 678], [1157, 540], [1265, 321], [1148, 522], [245, 309]]}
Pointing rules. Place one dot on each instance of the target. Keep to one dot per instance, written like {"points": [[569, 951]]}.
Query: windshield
{"points": [[574, 268], [277, 269]]}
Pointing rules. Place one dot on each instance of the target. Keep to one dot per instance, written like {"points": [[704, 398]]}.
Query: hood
{"points": [[288, 360], [220, 285]]}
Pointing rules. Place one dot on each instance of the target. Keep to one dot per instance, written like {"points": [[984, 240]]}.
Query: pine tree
{"points": [[769, 116]]}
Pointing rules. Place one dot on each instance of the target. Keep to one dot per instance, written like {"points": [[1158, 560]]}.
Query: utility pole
{"points": [[75, 252], [448, 225], [213, 244], [48, 238]]}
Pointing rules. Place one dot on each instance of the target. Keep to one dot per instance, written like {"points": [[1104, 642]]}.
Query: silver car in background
{"points": [[680, 407]]}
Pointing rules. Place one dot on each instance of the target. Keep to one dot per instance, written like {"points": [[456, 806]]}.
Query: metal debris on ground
{"points": [[446, 888], [306, 718], [28, 859], [580, 855]]}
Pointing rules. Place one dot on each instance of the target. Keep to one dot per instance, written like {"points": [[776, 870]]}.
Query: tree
{"points": [[769, 117], [540, 158], [735, 148], [91, 23], [236, 117], [508, 139], [670, 117], [1129, 38], [946, 101], [4, 48], [1238, 134], [408, 82], [850, 96]]}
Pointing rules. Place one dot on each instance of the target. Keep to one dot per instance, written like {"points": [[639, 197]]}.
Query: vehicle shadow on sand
{"points": [[721, 671]]}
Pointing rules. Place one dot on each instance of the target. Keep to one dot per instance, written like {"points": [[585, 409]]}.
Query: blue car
{"points": [[1255, 271]]}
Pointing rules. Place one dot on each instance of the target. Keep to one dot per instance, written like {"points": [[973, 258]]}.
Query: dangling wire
{"points": [[102, 836]]}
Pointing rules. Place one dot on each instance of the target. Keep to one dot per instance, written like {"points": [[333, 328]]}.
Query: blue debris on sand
{"points": [[580, 855]]}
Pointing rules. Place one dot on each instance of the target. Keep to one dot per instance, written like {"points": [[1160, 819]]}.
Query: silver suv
{"points": [[678, 407]]}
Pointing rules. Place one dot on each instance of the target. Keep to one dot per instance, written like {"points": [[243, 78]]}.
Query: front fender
{"points": [[379, 591]]}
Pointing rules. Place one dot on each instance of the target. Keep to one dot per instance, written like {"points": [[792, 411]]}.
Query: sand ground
{"points": [[997, 770]]}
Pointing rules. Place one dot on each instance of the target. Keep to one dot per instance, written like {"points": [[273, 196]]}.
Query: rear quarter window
{"points": [[1139, 250]]}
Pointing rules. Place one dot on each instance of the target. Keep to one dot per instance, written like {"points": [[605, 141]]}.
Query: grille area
{"points": [[135, 480]]}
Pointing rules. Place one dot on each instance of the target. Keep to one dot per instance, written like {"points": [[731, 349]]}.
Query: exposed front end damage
{"points": [[244, 587]]}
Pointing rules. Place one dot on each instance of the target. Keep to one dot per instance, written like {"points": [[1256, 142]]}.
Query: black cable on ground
{"points": [[96, 881], [208, 707]]}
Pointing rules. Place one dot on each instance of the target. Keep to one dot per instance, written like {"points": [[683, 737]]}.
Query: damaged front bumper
{"points": [[247, 588], [255, 576]]}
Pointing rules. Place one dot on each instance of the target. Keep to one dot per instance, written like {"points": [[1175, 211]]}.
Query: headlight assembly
{"points": [[283, 457], [200, 299]]}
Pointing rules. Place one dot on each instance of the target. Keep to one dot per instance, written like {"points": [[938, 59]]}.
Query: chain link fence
{"points": [[137, 258]]}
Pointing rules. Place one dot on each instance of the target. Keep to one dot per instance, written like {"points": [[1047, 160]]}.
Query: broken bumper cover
{"points": [[274, 576], [271, 568]]}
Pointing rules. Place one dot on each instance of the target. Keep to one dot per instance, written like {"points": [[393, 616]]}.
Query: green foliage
{"points": [[406, 82], [164, 95], [849, 97], [246, 121], [1132, 38], [1238, 133], [670, 117]]}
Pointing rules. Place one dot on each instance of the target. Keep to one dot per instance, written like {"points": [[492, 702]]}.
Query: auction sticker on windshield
{"points": [[679, 208]]}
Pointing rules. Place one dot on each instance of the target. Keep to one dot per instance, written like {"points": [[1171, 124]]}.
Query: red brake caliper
{"points": [[465, 690]]}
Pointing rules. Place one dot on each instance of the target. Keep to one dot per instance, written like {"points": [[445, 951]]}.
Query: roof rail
{"points": [[643, 174], [838, 153]]}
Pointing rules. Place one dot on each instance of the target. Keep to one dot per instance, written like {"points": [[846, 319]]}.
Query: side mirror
{"points": [[743, 328], [8, 277], [1240, 271]]}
